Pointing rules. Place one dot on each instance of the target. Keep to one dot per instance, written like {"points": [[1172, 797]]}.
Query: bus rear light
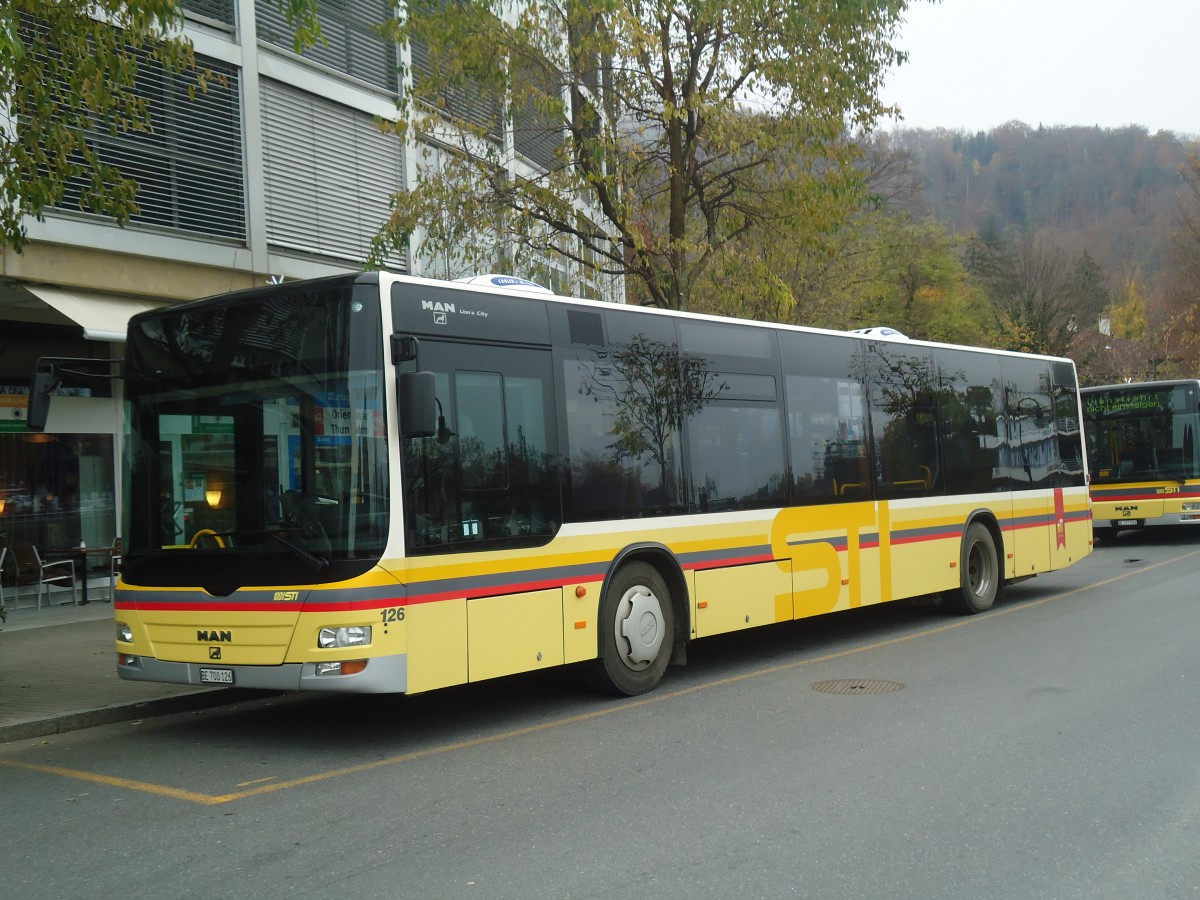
{"points": [[348, 667]]}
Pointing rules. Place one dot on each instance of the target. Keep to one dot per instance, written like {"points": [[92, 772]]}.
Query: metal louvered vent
{"points": [[350, 43], [329, 175], [475, 107], [188, 166], [217, 10], [537, 135]]}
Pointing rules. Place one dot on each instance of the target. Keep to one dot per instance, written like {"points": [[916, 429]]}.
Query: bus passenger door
{"points": [[485, 482]]}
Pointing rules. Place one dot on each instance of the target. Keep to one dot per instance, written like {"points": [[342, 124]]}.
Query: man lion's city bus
{"points": [[1141, 444], [381, 483]]}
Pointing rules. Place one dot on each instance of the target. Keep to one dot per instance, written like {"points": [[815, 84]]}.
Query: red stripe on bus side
{"points": [[514, 588]]}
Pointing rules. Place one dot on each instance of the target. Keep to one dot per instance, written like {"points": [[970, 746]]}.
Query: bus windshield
{"points": [[257, 434], [1142, 432]]}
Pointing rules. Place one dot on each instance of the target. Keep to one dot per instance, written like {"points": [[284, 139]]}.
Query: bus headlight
{"points": [[124, 633], [346, 636], [1191, 507]]}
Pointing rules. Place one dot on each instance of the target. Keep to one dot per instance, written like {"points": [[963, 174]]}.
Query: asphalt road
{"points": [[1047, 749]]}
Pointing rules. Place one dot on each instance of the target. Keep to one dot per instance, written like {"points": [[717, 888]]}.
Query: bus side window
{"points": [[903, 427], [826, 425], [969, 419]]}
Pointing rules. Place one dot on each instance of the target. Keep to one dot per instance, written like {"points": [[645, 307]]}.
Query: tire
{"points": [[980, 581], [637, 631]]}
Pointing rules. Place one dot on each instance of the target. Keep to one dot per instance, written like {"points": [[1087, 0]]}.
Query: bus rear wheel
{"points": [[637, 628], [980, 582]]}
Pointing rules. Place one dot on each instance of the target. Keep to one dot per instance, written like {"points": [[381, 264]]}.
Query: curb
{"points": [[124, 712]]}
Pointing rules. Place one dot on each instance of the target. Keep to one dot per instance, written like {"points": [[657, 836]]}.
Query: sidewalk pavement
{"points": [[58, 672]]}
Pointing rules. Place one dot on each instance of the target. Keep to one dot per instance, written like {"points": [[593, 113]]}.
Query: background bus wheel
{"points": [[637, 629], [980, 583]]}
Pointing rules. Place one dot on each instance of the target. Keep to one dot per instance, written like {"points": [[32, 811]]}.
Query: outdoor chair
{"points": [[32, 569]]}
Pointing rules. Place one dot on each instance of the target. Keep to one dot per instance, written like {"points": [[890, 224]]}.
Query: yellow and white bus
{"points": [[388, 484], [1141, 443]]}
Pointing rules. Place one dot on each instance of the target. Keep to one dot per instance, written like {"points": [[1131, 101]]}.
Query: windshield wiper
{"points": [[312, 560], [316, 563]]}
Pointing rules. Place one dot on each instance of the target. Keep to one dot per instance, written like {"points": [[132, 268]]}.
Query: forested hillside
{"points": [[1078, 241], [1113, 193]]}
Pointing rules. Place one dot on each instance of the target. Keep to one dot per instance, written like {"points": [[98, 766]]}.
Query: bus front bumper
{"points": [[382, 675], [1187, 518]]}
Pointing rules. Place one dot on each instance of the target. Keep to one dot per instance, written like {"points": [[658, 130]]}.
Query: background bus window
{"points": [[826, 419], [623, 432], [736, 456], [970, 420], [624, 409], [734, 422], [489, 476], [1029, 455], [1067, 426], [1146, 432], [903, 420]]}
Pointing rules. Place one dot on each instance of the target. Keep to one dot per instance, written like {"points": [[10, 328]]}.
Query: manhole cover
{"points": [[856, 686]]}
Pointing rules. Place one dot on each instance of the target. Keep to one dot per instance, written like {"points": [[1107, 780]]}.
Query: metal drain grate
{"points": [[857, 686]]}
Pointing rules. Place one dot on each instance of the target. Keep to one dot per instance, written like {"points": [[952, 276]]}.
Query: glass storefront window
{"points": [[57, 490]]}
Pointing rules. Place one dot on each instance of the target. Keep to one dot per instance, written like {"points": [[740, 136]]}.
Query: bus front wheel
{"points": [[637, 628], [980, 582]]}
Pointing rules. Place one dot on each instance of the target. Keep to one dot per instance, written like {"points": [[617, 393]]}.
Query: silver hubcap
{"points": [[980, 570], [640, 624]]}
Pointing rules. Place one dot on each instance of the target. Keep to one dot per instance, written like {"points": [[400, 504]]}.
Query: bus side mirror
{"points": [[41, 389], [417, 396]]}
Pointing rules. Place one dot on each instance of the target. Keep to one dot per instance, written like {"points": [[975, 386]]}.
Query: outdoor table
{"points": [[79, 555]]}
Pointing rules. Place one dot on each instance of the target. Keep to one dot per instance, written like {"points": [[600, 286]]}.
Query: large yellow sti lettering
{"points": [[806, 535]]}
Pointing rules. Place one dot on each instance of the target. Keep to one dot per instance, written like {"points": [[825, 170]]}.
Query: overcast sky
{"points": [[976, 64]]}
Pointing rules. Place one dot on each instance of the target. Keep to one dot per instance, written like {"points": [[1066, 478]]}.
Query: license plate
{"points": [[216, 676], [1127, 521]]}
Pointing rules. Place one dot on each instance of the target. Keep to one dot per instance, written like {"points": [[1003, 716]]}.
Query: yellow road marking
{"points": [[663, 697], [161, 790]]}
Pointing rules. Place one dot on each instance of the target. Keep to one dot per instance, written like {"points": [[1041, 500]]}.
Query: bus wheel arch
{"points": [[642, 621], [981, 572]]}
